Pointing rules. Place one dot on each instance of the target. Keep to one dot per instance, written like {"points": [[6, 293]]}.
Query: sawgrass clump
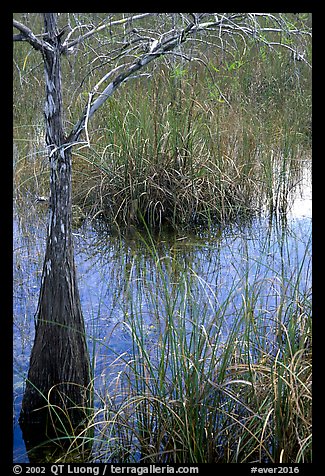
{"points": [[176, 153], [190, 145]]}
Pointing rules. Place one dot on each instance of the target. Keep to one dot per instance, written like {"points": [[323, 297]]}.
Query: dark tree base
{"points": [[51, 435]]}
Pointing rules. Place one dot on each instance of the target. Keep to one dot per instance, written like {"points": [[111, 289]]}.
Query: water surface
{"points": [[124, 277]]}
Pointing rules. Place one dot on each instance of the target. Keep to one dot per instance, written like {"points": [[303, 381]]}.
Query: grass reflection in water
{"points": [[201, 347]]}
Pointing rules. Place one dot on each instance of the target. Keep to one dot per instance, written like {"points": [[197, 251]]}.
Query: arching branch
{"points": [[70, 44], [26, 34]]}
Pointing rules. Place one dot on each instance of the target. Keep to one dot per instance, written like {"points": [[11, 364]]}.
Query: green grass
{"points": [[215, 372], [192, 161], [191, 145]]}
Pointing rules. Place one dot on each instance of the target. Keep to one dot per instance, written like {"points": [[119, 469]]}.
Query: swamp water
{"points": [[128, 286]]}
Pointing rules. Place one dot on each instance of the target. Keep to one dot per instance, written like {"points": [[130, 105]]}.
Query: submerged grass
{"points": [[215, 372], [217, 366]]}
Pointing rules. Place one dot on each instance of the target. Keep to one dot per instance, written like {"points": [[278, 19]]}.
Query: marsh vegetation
{"points": [[195, 280]]}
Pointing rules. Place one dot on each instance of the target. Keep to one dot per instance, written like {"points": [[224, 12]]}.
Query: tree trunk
{"points": [[59, 372]]}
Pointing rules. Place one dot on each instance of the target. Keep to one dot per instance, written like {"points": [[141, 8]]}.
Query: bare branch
{"points": [[26, 34], [165, 43], [156, 50], [19, 37], [69, 44]]}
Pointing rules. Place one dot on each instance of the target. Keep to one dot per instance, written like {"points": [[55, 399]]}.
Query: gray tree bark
{"points": [[59, 371]]}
